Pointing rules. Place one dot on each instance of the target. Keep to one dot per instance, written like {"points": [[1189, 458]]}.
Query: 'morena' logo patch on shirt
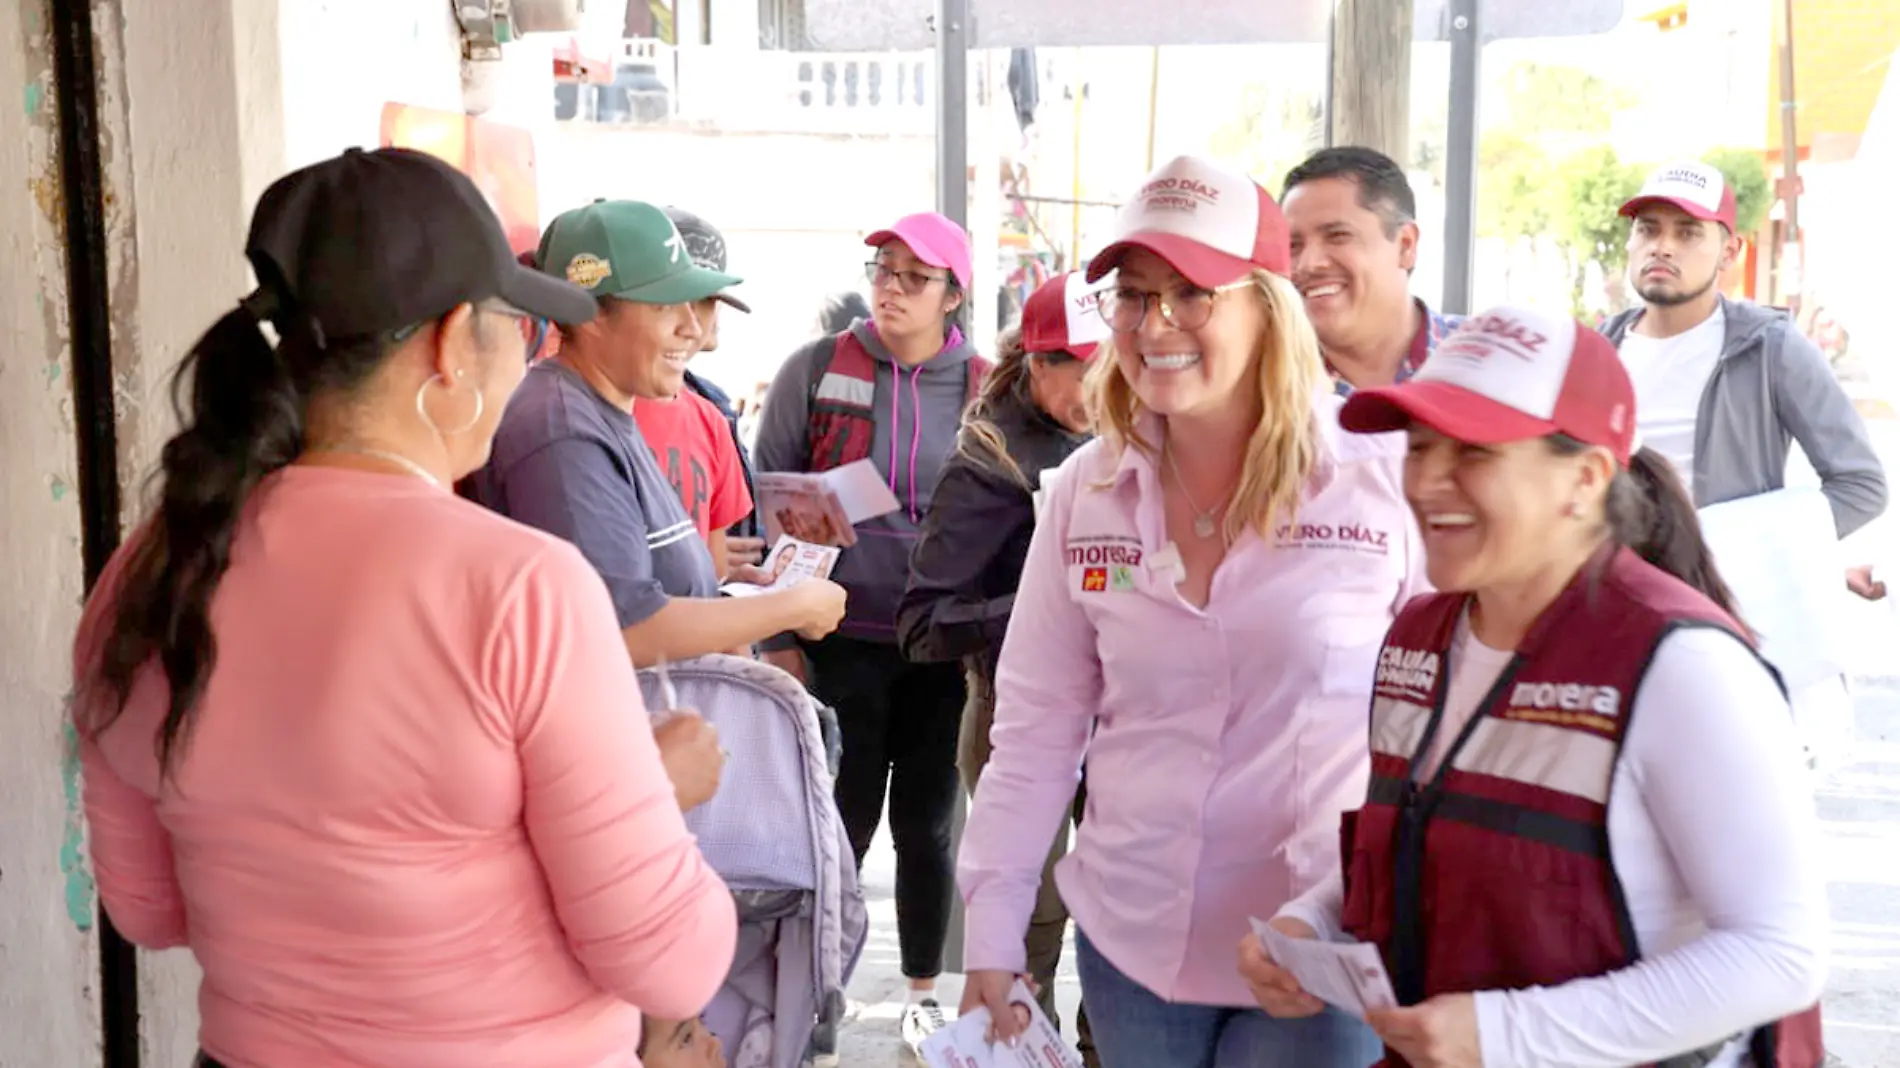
{"points": [[1103, 551], [1349, 537], [1104, 562]]}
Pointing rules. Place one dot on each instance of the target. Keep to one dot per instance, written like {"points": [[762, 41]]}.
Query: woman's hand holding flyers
{"points": [[1279, 994]]}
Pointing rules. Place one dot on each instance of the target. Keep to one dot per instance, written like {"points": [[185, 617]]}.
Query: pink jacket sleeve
{"points": [[1048, 689], [644, 914], [130, 849]]}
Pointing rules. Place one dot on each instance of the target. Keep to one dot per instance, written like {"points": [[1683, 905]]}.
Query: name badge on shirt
{"points": [[1104, 563]]}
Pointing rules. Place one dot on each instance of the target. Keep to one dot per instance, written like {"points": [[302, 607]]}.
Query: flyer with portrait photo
{"points": [[823, 507], [964, 1042], [789, 563]]}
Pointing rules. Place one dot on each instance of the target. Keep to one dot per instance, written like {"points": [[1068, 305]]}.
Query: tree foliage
{"points": [[1514, 189], [1593, 185], [1745, 172], [1271, 132], [1555, 99]]}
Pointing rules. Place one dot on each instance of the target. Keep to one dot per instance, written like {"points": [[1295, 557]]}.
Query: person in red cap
{"points": [[1724, 387], [890, 391], [1589, 839], [1198, 614], [969, 560]]}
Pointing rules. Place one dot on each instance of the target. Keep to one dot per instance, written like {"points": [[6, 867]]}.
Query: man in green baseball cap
{"points": [[599, 445], [635, 263], [630, 250]]}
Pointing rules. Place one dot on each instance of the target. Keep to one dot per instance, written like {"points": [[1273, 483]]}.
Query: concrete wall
{"points": [[197, 115]]}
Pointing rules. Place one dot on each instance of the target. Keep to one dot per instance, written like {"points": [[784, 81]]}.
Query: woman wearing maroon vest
{"points": [[890, 390], [1589, 839]]}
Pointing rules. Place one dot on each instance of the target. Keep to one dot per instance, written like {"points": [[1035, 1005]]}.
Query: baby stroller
{"points": [[774, 834]]}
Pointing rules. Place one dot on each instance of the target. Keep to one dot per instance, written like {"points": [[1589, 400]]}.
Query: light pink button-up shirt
{"points": [[1226, 740]]}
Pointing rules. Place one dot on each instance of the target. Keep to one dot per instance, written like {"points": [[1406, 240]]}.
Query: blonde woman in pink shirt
{"points": [[374, 754], [1199, 616]]}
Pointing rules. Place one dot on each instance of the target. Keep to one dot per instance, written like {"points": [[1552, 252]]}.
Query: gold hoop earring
{"points": [[423, 409]]}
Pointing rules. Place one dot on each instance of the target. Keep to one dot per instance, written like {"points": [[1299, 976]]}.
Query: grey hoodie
{"points": [[915, 412], [1772, 386]]}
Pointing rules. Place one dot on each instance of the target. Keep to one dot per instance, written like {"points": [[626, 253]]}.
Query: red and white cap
{"points": [[1696, 188], [1064, 314], [1508, 375], [1211, 224]]}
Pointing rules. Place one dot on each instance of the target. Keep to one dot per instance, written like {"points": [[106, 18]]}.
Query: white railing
{"points": [[803, 92]]}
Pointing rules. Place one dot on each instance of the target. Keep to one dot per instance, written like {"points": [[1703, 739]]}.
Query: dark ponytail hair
{"points": [[244, 420], [979, 439], [1649, 510]]}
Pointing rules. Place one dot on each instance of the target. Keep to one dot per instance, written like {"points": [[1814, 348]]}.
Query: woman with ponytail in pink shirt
{"points": [[374, 754]]}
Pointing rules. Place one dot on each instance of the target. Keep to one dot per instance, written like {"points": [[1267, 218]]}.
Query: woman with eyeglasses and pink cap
{"points": [[1199, 616], [890, 390], [1589, 839]]}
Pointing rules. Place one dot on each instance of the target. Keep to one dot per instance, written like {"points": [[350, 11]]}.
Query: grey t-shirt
{"points": [[568, 462]]}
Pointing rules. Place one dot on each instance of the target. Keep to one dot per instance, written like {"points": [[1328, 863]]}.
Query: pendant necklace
{"points": [[398, 459], [1203, 520]]}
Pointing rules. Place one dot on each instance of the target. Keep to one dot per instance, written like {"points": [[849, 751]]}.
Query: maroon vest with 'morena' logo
{"points": [[1495, 874]]}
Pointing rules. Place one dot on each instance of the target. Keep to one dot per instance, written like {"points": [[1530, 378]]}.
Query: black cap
{"points": [[370, 242], [706, 246]]}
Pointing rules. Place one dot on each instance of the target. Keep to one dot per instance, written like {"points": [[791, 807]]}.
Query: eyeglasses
{"points": [[534, 329], [911, 282], [1188, 308]]}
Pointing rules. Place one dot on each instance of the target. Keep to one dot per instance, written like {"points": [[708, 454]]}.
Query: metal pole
{"points": [[1788, 281], [1332, 61], [1790, 148], [1074, 258], [953, 201], [953, 99], [1461, 154], [1154, 101]]}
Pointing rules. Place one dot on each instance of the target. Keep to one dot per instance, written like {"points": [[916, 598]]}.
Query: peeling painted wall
{"points": [[48, 951]]}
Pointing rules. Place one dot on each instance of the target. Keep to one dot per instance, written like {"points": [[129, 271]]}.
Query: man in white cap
{"points": [[1723, 386]]}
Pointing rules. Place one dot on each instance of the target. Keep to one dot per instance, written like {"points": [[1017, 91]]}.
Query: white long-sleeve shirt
{"points": [[1713, 836]]}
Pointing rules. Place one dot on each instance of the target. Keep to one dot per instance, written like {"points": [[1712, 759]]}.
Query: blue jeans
{"points": [[1135, 1029]]}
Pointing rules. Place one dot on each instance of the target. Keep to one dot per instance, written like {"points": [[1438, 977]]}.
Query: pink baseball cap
{"points": [[1064, 314], [1696, 188], [1211, 224], [1508, 375], [932, 239]]}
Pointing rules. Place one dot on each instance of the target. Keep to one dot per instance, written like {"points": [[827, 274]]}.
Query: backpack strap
{"points": [[819, 366]]}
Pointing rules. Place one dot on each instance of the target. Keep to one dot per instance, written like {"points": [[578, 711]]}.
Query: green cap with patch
{"points": [[630, 250]]}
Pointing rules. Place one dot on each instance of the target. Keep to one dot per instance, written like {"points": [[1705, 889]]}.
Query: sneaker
{"points": [[922, 1018]]}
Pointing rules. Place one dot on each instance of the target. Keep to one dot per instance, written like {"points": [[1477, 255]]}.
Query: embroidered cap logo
{"points": [[588, 270]]}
